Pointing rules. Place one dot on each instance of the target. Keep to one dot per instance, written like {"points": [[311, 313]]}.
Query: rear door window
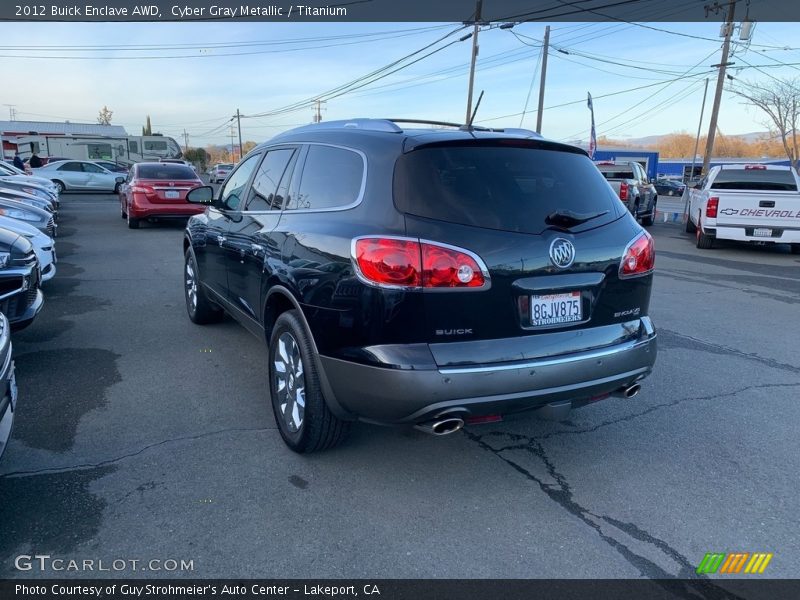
{"points": [[500, 187], [332, 178]]}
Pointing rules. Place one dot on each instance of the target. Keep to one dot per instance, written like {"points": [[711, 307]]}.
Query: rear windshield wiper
{"points": [[568, 218]]}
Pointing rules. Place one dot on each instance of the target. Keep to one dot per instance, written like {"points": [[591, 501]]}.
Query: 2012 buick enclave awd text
{"points": [[424, 276]]}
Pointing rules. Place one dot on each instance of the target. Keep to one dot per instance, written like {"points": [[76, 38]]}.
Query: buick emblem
{"points": [[562, 253]]}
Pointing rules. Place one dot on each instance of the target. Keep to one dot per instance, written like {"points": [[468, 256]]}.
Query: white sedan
{"points": [[80, 175], [43, 245]]}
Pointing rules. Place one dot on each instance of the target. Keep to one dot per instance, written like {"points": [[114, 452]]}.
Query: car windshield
{"points": [[499, 187], [165, 171], [225, 167], [755, 179]]}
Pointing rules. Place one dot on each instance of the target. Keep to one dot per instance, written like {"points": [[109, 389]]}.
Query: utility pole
{"points": [[478, 8], [185, 142], [12, 112], [233, 131], [712, 126], [545, 47], [239, 125], [699, 127]]}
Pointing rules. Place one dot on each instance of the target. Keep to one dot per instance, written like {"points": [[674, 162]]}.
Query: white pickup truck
{"points": [[748, 203]]}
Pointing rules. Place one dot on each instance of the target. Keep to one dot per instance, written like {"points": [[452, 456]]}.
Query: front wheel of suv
{"points": [[304, 420], [201, 310]]}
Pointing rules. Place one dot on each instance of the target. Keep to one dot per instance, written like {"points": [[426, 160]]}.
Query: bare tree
{"points": [[104, 117], [780, 99]]}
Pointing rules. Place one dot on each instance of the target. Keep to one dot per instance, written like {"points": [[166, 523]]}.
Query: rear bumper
{"points": [[740, 234], [386, 395], [142, 210]]}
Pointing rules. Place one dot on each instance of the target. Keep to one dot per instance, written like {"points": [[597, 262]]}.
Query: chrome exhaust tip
{"points": [[442, 426], [632, 390]]}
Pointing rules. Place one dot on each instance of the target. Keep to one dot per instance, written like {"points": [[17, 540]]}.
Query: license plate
{"points": [[762, 232], [172, 194], [13, 389], [556, 309]]}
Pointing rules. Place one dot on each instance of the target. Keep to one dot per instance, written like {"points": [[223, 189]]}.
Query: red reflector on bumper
{"points": [[483, 419]]}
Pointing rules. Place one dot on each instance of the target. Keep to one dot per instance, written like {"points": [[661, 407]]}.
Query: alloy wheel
{"points": [[290, 382], [191, 286]]}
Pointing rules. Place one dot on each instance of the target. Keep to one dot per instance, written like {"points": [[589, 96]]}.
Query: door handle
{"points": [[221, 239]]}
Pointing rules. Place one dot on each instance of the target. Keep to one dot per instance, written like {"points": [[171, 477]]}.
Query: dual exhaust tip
{"points": [[445, 425]]}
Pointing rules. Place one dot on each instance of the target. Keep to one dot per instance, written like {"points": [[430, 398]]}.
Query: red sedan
{"points": [[158, 190]]}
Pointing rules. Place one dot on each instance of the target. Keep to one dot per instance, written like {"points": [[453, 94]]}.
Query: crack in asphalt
{"points": [[111, 461], [647, 411], [692, 343], [561, 493]]}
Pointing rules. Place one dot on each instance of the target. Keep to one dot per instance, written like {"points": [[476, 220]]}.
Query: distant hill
{"points": [[655, 140]]}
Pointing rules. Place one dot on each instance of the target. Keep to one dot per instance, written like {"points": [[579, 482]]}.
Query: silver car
{"points": [[80, 175], [9, 183], [41, 219], [16, 195], [10, 171], [43, 244]]}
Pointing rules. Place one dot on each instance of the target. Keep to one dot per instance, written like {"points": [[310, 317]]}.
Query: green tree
{"points": [[198, 157], [147, 129]]}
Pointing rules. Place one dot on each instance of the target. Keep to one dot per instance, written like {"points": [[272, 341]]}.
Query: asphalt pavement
{"points": [[141, 436]]}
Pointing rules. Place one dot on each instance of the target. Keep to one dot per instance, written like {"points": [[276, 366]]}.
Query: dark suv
{"points": [[424, 276]]}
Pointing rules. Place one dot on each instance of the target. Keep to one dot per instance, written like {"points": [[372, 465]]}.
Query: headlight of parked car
{"points": [[18, 214], [5, 258]]}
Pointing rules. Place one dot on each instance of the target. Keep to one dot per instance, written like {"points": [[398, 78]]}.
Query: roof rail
{"points": [[390, 126], [363, 124]]}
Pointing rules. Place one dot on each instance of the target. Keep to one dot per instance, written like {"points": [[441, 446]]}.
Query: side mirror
{"points": [[120, 180], [201, 195]]}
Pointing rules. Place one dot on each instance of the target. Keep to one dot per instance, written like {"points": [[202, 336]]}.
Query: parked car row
{"points": [[28, 213]]}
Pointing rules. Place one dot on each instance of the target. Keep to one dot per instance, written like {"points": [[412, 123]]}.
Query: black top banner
{"points": [[399, 10]]}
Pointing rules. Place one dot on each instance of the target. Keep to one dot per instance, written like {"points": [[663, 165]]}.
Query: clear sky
{"points": [[225, 66]]}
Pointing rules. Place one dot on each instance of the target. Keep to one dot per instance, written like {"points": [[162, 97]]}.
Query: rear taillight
{"points": [[711, 207], [623, 191], [143, 189], [639, 257], [411, 263]]}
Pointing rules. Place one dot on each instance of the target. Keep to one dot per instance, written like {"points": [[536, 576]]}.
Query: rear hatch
{"points": [[521, 205], [762, 200], [166, 183]]}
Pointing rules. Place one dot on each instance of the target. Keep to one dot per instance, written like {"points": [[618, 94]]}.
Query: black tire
{"points": [[122, 212], [201, 311], [132, 223], [795, 248], [116, 188], [60, 187], [650, 219], [690, 226], [318, 429], [703, 241]]}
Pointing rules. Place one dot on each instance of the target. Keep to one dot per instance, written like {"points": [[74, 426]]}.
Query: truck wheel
{"points": [[690, 226], [304, 420], [649, 219], [704, 242]]}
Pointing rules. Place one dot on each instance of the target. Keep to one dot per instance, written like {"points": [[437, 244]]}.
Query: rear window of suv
{"points": [[755, 179], [166, 171], [501, 187]]}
